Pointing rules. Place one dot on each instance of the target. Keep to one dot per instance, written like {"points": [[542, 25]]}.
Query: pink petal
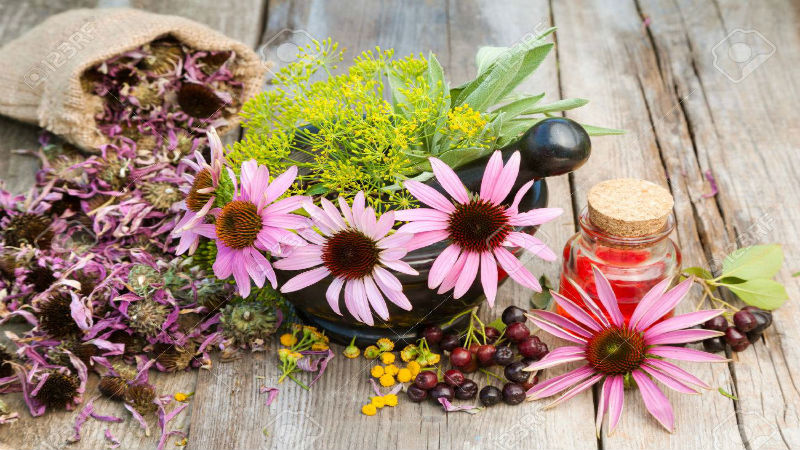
{"points": [[563, 322], [426, 238], [616, 399], [368, 221], [332, 294], [286, 205], [383, 226], [576, 312], [346, 211], [287, 221], [506, 180], [607, 297], [558, 356], [301, 258], [680, 337], [577, 389], [557, 384], [676, 372], [349, 301], [648, 301], [280, 184], [400, 266], [668, 381], [361, 301], [602, 405], [305, 279], [536, 217], [532, 244], [557, 331], [392, 254], [490, 174], [685, 354], [468, 274], [358, 210], [396, 297], [395, 240], [429, 196], [683, 321], [332, 212], [514, 208], [596, 312], [489, 277], [516, 270], [449, 180], [383, 276], [321, 219], [375, 298], [442, 265], [453, 273], [667, 303], [426, 214], [421, 226], [655, 401]]}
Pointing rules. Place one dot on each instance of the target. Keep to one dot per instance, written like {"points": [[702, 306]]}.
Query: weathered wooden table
{"points": [[652, 67]]}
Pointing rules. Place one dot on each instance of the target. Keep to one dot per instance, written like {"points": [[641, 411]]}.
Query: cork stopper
{"points": [[628, 207]]}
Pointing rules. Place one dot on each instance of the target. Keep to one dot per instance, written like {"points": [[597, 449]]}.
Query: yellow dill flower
{"points": [[319, 346], [391, 369], [404, 375], [390, 400], [387, 358], [386, 380], [369, 409], [377, 371], [288, 340], [414, 367], [378, 402], [385, 345]]}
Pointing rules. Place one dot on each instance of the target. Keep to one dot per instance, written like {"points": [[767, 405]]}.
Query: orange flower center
{"points": [[350, 254], [196, 200], [478, 226], [616, 351], [238, 224]]}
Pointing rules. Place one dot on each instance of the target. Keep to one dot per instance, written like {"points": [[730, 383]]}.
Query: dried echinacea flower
{"points": [[173, 358], [58, 390], [113, 387], [164, 57], [142, 398], [248, 322], [55, 315], [161, 195], [29, 229], [199, 101], [147, 316]]}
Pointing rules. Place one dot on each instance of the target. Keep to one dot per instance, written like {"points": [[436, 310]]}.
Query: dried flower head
{"points": [[125, 371], [147, 316], [142, 398], [161, 195], [165, 55], [248, 322], [41, 277], [113, 387], [58, 390], [29, 229], [6, 369], [199, 101], [175, 357], [55, 315]]}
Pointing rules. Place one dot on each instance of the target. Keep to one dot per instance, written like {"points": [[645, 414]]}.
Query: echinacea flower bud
{"points": [[58, 390]]}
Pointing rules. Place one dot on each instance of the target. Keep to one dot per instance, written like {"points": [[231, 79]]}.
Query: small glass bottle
{"points": [[624, 231]]}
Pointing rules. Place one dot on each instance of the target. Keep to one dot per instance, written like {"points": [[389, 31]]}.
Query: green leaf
{"points": [[458, 157], [758, 261], [727, 394], [542, 300], [317, 189], [497, 324], [512, 130], [760, 292], [600, 131], [520, 106], [699, 272], [530, 62], [486, 56], [796, 274], [488, 87], [561, 105]]}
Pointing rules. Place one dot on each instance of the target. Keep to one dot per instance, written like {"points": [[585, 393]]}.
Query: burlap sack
{"points": [[40, 80]]}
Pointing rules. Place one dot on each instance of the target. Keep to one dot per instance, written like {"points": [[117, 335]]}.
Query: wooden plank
{"points": [[621, 76], [241, 20], [335, 401], [747, 139]]}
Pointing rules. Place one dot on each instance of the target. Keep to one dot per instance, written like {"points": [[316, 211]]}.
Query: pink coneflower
{"points": [[478, 227], [613, 349], [251, 222], [356, 250], [200, 196]]}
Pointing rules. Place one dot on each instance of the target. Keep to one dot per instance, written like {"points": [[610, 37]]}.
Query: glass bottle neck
{"points": [[655, 243]]}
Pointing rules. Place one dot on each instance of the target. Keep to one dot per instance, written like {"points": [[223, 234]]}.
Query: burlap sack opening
{"points": [[40, 81]]}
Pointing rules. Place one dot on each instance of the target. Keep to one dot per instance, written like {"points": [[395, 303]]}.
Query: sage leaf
{"points": [[511, 130], [458, 157], [699, 272], [519, 107], [760, 292], [601, 131], [561, 105], [758, 261], [542, 300], [488, 90]]}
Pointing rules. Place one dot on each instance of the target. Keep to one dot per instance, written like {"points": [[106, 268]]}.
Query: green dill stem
{"points": [[490, 373]]}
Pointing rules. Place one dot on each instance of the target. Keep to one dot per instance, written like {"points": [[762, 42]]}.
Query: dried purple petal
{"points": [[713, 183], [272, 391]]}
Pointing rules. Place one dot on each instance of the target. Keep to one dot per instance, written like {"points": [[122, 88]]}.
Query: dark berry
{"points": [[736, 339], [513, 314], [442, 390], [492, 334], [503, 356], [717, 323], [453, 377], [460, 357], [517, 331], [490, 396], [426, 379], [448, 342], [514, 372], [745, 321], [471, 367], [715, 344], [753, 337], [433, 334], [763, 319], [473, 348], [466, 390], [531, 347], [416, 394], [527, 385], [513, 393], [486, 354]]}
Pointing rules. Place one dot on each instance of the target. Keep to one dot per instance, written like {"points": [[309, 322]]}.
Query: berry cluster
{"points": [[749, 324], [482, 347]]}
